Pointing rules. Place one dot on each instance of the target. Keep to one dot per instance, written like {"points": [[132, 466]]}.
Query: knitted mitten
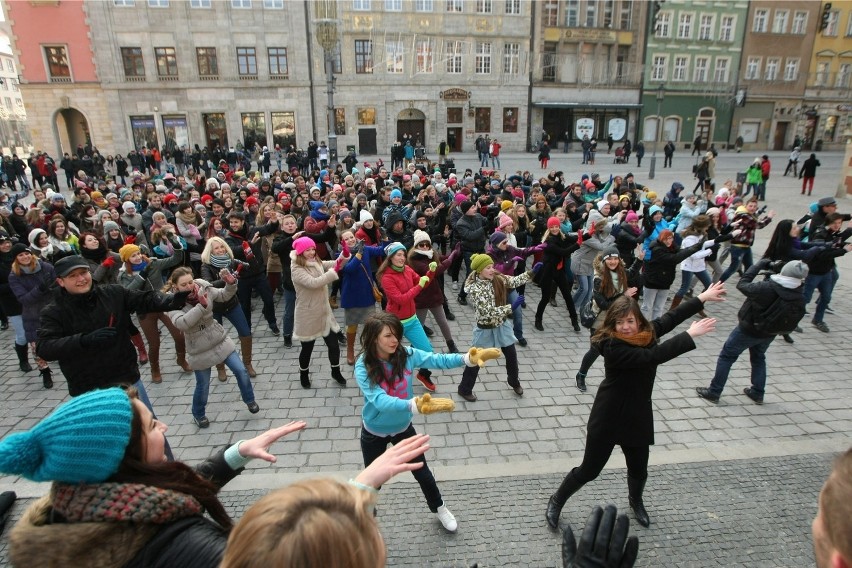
{"points": [[478, 356], [428, 405]]}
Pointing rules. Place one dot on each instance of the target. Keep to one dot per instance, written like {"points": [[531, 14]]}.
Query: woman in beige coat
{"points": [[313, 317], [207, 342]]}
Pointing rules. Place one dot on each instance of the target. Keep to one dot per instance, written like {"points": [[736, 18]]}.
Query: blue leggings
{"points": [[412, 330]]}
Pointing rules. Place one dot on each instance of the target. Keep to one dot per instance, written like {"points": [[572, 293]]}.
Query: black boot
{"points": [[304, 378], [569, 486], [581, 381], [288, 341], [23, 358], [634, 489], [341, 338], [451, 346], [46, 379], [538, 324], [448, 313], [575, 323], [337, 375]]}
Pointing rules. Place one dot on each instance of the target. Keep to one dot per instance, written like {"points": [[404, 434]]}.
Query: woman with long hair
{"points": [[62, 240], [383, 372], [207, 342], [612, 281], [622, 413], [356, 298], [558, 249], [313, 318], [216, 228], [582, 260], [10, 307], [30, 280], [432, 300], [114, 499], [190, 226], [694, 265]]}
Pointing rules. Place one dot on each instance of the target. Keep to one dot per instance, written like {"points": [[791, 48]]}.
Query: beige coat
{"points": [[207, 342], [313, 317]]}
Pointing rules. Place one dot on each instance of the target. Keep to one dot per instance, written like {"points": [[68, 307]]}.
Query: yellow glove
{"points": [[478, 356], [424, 280], [433, 266], [427, 405]]}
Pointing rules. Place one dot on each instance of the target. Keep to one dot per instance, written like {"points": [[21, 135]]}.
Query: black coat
{"points": [[69, 316], [759, 296], [8, 302], [623, 413], [661, 270], [558, 249]]}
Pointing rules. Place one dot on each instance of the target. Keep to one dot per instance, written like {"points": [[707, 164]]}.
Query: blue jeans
{"points": [[289, 311], [143, 396], [17, 323], [237, 318], [584, 290], [703, 276], [517, 315], [738, 342], [466, 259], [760, 191], [202, 384], [261, 284], [825, 284], [495, 160], [749, 188], [738, 254]]}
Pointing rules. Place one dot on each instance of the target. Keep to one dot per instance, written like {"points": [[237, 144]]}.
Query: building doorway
{"points": [[704, 126], [412, 122], [780, 135], [454, 139], [72, 129], [215, 131], [367, 141]]}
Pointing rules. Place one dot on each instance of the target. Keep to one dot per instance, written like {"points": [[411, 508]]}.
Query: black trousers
{"points": [[597, 455], [471, 373], [308, 349], [548, 286]]}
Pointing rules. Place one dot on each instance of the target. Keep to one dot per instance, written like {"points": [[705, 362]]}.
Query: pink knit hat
{"points": [[460, 198], [631, 216], [503, 220], [302, 244]]}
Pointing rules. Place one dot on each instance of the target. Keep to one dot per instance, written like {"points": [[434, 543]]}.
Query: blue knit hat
{"points": [[396, 193], [82, 441], [392, 248]]}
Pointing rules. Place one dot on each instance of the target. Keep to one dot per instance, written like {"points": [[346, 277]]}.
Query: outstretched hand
{"points": [[715, 293], [395, 460], [258, 446], [604, 542], [701, 327]]}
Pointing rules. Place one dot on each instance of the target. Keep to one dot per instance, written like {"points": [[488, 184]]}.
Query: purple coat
{"points": [[33, 292]]}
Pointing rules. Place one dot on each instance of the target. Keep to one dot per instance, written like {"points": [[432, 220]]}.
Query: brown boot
{"points": [[676, 302], [220, 373], [350, 346], [156, 377], [332, 301], [245, 350], [181, 361], [139, 344]]}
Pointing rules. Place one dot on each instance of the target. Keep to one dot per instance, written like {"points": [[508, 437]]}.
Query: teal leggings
{"points": [[412, 330]]}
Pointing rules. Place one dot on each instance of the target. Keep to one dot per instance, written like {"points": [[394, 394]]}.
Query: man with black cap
{"points": [[87, 328], [773, 307]]}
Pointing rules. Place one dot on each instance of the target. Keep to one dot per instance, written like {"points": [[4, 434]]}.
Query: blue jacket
{"points": [[386, 411], [356, 290]]}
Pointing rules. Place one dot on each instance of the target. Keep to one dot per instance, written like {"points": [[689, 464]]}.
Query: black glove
{"points": [[604, 543], [144, 272], [177, 300], [7, 499], [98, 336], [776, 265]]}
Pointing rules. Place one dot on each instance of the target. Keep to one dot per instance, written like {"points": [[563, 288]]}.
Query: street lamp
{"points": [[327, 36], [661, 94]]}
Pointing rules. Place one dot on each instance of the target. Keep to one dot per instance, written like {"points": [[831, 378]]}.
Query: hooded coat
{"points": [[207, 342], [313, 317]]}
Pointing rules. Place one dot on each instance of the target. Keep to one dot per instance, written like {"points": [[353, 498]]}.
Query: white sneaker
{"points": [[455, 286], [447, 519]]}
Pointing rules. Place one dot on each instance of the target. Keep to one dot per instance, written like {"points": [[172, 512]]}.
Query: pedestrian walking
{"points": [[668, 153], [793, 162], [544, 155], [640, 153], [808, 173]]}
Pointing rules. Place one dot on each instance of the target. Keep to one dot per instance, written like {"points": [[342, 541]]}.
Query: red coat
{"points": [[401, 288]]}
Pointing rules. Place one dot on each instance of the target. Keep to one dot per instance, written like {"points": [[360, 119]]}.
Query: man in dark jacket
{"points": [[823, 274], [470, 232], [750, 332]]}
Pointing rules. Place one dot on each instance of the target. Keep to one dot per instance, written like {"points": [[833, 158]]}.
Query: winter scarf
{"points": [[220, 260], [122, 502], [316, 214], [640, 339], [97, 255]]}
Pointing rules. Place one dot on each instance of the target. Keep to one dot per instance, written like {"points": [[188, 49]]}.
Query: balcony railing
{"points": [[168, 77], [60, 79], [135, 78], [248, 77], [279, 77], [208, 77]]}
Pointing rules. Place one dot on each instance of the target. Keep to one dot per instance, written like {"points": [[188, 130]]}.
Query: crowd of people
{"points": [[188, 249]]}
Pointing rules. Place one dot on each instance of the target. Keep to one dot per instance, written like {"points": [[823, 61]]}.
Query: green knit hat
{"points": [[478, 262], [82, 441]]}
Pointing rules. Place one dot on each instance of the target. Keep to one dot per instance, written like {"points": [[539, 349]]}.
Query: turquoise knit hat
{"points": [[82, 441], [391, 249]]}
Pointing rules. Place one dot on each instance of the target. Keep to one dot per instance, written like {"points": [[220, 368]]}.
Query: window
{"points": [[658, 68], [393, 56], [158, 3], [842, 81], [166, 61], [550, 13], [760, 19], [453, 55], [455, 115], [800, 23], [14, 83], [10, 65], [510, 119], [278, 61], [283, 128], [483, 58], [254, 128], [247, 61], [482, 119], [424, 5], [424, 56], [779, 23], [361, 5], [8, 101], [58, 68], [513, 7], [702, 66], [607, 23], [664, 25], [199, 3], [591, 14], [393, 5], [681, 62], [363, 56], [454, 5], [483, 6], [340, 121], [511, 59], [720, 71], [572, 13], [208, 65], [821, 78], [831, 24], [726, 28], [626, 18], [273, 4], [705, 27], [772, 66], [549, 59], [752, 71], [849, 26], [791, 69], [124, 3], [684, 26], [367, 116], [134, 65], [241, 4]]}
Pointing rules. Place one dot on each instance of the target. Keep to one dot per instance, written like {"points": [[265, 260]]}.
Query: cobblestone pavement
{"points": [[768, 460]]}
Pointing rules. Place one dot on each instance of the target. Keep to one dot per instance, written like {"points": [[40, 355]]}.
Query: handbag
{"points": [[588, 315], [377, 294]]}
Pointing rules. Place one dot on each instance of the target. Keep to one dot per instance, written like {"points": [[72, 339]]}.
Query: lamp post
{"points": [[327, 36], [661, 94]]}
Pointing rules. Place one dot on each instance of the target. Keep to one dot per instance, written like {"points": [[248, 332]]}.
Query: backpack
{"points": [[781, 316]]}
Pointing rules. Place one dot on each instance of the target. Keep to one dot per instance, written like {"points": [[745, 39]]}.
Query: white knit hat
{"points": [[420, 236], [365, 216]]}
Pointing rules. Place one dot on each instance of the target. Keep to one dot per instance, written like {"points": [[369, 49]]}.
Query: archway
{"points": [[412, 122], [72, 129]]}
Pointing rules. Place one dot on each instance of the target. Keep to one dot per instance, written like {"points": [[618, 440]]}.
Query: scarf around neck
{"points": [[640, 339], [122, 502], [220, 260]]}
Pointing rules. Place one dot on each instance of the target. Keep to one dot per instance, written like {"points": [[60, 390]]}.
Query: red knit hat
{"points": [[169, 197], [553, 222], [251, 200]]}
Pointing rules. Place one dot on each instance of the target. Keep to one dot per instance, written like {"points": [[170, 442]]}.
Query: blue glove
{"points": [[517, 302], [536, 267]]}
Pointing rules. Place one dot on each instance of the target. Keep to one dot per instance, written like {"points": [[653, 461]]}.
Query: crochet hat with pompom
{"points": [[82, 441], [420, 237]]}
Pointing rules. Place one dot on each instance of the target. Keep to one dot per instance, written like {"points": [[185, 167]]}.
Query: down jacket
{"points": [[207, 342]]}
